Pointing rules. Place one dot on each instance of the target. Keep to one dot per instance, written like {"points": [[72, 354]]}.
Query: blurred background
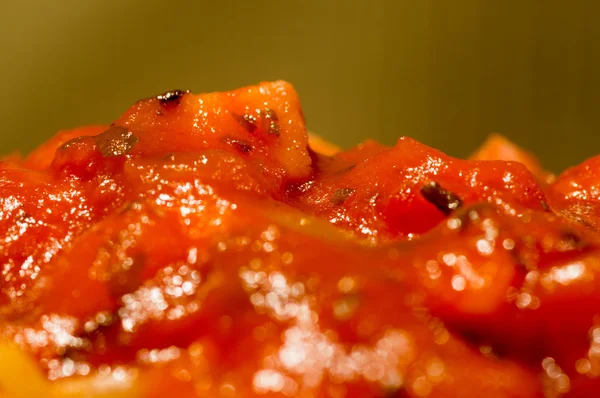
{"points": [[447, 72]]}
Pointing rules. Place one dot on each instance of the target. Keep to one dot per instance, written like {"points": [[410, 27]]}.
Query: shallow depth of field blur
{"points": [[445, 72]]}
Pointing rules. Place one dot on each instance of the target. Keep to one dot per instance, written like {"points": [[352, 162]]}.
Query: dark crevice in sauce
{"points": [[545, 206], [271, 116], [128, 277], [248, 122], [240, 145]]}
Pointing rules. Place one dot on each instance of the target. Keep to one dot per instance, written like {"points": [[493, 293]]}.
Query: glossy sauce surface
{"points": [[199, 246]]}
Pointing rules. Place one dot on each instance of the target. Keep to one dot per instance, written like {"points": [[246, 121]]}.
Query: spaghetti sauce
{"points": [[204, 245]]}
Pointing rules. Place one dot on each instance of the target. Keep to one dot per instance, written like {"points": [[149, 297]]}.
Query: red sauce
{"points": [[200, 245]]}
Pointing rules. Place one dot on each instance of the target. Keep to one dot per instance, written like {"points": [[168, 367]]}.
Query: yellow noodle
{"points": [[21, 378]]}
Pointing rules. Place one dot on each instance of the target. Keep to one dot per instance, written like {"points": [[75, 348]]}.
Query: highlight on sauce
{"points": [[206, 245]]}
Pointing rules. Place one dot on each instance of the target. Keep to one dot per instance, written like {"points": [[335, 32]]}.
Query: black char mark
{"points": [[171, 98], [444, 200]]}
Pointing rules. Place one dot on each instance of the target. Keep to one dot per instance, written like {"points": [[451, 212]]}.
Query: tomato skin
{"points": [[201, 245]]}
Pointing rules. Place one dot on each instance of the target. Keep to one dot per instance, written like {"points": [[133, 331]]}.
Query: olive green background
{"points": [[445, 72]]}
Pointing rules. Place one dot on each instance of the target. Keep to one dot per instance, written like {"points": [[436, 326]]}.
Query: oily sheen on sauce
{"points": [[205, 245]]}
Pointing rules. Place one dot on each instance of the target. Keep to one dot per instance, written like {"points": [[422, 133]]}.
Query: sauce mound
{"points": [[205, 245]]}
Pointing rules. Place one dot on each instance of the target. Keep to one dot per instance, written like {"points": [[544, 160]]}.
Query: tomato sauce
{"points": [[199, 246]]}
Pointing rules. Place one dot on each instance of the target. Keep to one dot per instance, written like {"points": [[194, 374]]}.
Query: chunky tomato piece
{"points": [[498, 147], [419, 187], [263, 123]]}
